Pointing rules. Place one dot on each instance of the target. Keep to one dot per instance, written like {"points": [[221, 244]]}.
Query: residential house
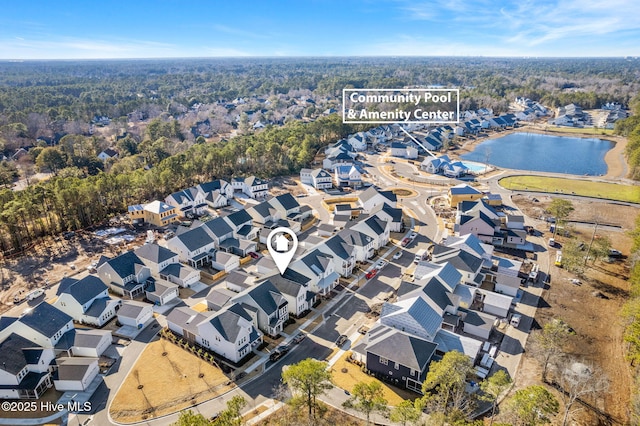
{"points": [[216, 193], [223, 261], [75, 374], [162, 292], [24, 368], [348, 176], [315, 270], [187, 202], [183, 275], [362, 243], [156, 213], [156, 257], [87, 300], [371, 197], [358, 141], [417, 316], [252, 186], [44, 325], [318, 178], [299, 298], [126, 275], [241, 223], [467, 264], [287, 205], [341, 254], [135, 314], [108, 154], [477, 324], [398, 356], [462, 192], [88, 343], [268, 305], [218, 229], [391, 215], [193, 246], [336, 159], [229, 332]]}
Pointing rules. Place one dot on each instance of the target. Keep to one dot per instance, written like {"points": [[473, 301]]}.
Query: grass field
{"points": [[583, 130], [166, 379], [585, 188]]}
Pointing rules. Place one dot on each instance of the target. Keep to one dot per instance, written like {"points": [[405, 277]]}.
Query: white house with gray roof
{"points": [[87, 300], [342, 254], [161, 292], [269, 305], [252, 186], [85, 342], [156, 257], [223, 261], [24, 368], [126, 274], [375, 227], [318, 178], [414, 315], [229, 332], [182, 275], [44, 325], [318, 270], [192, 246], [371, 197], [298, 296], [75, 374], [135, 314]]}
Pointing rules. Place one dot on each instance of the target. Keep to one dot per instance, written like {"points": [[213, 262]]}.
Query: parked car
{"points": [[380, 264], [299, 338], [372, 273], [615, 253], [398, 255], [413, 236], [341, 340], [405, 242], [254, 255], [515, 320]]}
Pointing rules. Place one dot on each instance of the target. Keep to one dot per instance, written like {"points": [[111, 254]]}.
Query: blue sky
{"points": [[67, 29]]}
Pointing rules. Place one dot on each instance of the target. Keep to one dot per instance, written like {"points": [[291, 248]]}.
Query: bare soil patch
{"points": [[596, 321]]}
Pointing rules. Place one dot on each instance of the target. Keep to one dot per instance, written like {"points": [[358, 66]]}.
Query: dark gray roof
{"points": [[182, 196], [12, 358], [124, 265], [295, 276], [355, 238], [462, 261], [81, 338], [267, 297], [394, 345], [97, 307], [86, 289], [317, 261], [395, 213], [406, 288], [339, 247], [154, 253], [286, 286], [195, 238], [287, 201], [65, 283], [132, 309], [227, 324], [210, 186], [264, 209], [219, 297], [45, 319], [218, 226], [74, 368], [239, 217]]}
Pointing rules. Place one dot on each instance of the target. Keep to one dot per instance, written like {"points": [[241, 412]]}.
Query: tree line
{"points": [[66, 203]]}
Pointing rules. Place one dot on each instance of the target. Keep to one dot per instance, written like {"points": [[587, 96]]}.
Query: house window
{"points": [[413, 373], [384, 361], [397, 366]]}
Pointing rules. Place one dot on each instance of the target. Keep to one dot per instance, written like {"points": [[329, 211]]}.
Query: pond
{"points": [[544, 153]]}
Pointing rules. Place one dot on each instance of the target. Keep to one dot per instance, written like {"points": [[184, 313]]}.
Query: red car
{"points": [[372, 273], [405, 242], [254, 255]]}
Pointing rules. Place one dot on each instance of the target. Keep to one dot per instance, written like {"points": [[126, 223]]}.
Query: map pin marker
{"points": [[282, 248]]}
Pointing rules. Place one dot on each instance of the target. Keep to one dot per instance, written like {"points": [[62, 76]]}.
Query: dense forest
{"points": [[176, 122]]}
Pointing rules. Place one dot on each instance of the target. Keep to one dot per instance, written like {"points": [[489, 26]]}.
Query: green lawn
{"points": [[612, 191], [583, 130]]}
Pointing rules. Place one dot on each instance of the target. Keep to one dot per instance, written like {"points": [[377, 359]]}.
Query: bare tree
{"points": [[547, 344], [579, 381]]}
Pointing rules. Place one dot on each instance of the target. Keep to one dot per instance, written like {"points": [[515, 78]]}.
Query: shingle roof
{"points": [[267, 297], [339, 247], [218, 226], [448, 342], [410, 351], [45, 319], [463, 189], [287, 201], [227, 323], [12, 358], [124, 265], [86, 289], [154, 253], [82, 338], [131, 309], [240, 217], [195, 238], [74, 368]]}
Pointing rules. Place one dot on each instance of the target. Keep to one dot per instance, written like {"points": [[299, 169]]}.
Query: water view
{"points": [[544, 153]]}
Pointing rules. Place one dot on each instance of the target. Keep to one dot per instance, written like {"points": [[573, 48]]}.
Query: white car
{"points": [[381, 264], [413, 235], [515, 320], [398, 255]]}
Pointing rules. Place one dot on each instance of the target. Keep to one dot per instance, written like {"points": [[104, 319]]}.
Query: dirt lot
{"points": [[595, 319]]}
